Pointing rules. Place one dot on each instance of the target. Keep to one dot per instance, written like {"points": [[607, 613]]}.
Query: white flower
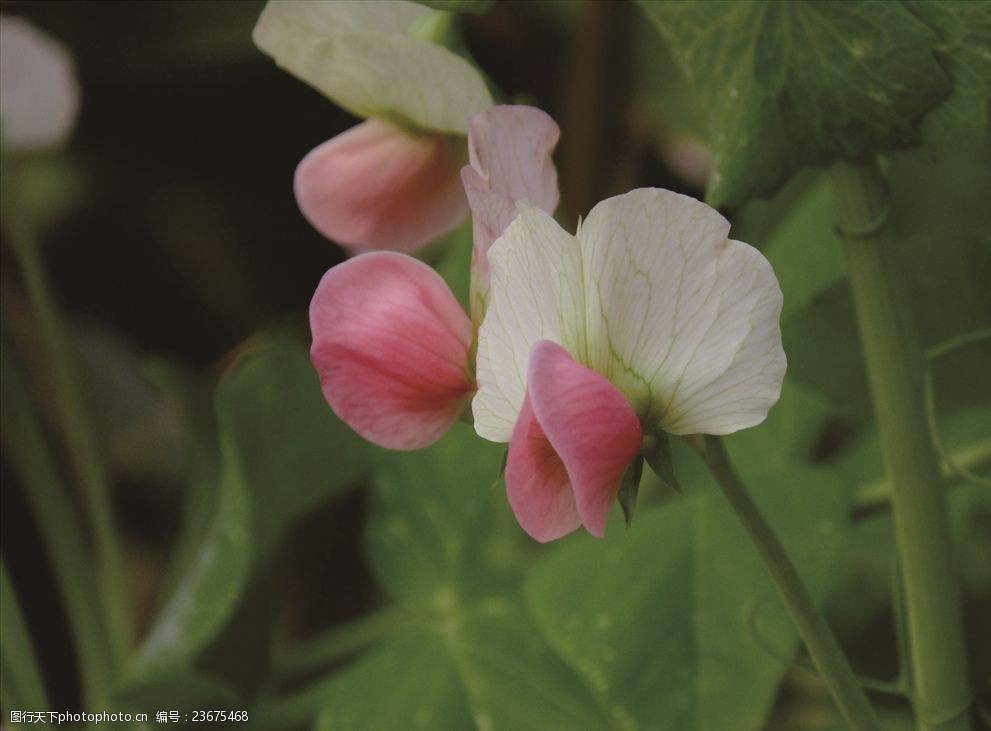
{"points": [[663, 322]]}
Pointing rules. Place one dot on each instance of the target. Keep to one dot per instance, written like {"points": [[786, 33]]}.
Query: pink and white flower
{"points": [[392, 182], [648, 318], [390, 342]]}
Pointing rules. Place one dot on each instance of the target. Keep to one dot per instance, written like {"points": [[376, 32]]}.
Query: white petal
{"points": [[537, 294], [734, 377], [373, 72], [39, 95], [682, 320]]}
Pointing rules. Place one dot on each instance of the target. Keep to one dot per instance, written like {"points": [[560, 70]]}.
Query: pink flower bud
{"points": [[378, 186]]}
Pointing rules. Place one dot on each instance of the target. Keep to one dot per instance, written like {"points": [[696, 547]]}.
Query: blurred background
{"points": [[176, 254]]}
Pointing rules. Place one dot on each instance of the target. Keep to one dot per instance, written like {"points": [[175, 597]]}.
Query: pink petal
{"points": [[590, 425], [390, 343], [537, 483], [377, 186], [509, 148]]}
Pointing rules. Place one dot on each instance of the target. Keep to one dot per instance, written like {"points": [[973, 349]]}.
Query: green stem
{"points": [[896, 372], [818, 638], [20, 676], [24, 444], [80, 439]]}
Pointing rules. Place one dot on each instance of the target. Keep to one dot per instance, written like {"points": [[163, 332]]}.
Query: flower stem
{"points": [[818, 638], [79, 438], [896, 372]]}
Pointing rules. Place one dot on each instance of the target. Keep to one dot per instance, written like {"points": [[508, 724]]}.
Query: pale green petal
{"points": [[682, 320], [373, 71], [319, 19], [537, 293]]}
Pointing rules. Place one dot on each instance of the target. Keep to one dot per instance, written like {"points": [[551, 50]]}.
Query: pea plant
{"points": [[661, 375]]}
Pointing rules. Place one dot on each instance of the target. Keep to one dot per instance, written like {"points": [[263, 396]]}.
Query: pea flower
{"points": [[391, 182], [648, 318], [39, 94], [390, 342]]}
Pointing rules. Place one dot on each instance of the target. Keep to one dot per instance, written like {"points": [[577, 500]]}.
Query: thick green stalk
{"points": [[815, 633], [896, 372], [79, 438]]}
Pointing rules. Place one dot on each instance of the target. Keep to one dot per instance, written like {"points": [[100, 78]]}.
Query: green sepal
{"points": [[629, 488], [657, 452], [502, 467]]}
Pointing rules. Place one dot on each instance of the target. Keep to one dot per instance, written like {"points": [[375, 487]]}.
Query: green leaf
{"points": [[442, 539], [282, 452], [293, 451], [184, 691], [804, 248], [20, 678], [211, 587], [451, 257], [799, 83], [964, 31], [485, 668], [439, 524], [671, 625]]}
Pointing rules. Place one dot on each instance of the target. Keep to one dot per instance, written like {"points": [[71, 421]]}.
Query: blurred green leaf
{"points": [[804, 249], [181, 690], [282, 452], [439, 524], [441, 538], [451, 257], [211, 587], [485, 668], [792, 84], [964, 31], [20, 679], [671, 624], [293, 451]]}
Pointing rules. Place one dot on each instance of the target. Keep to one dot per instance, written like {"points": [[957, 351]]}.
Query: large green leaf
{"points": [[799, 83], [282, 451], [211, 587], [441, 524], [677, 624], [441, 539], [964, 31]]}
